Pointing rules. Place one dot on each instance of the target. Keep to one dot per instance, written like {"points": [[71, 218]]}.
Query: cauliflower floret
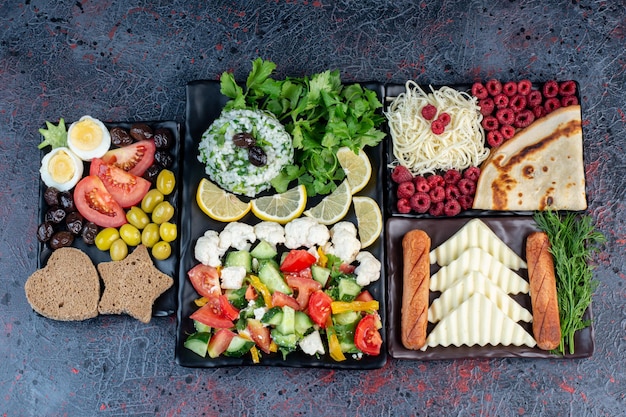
{"points": [[344, 243], [305, 231], [232, 277], [368, 269], [237, 235], [271, 232], [312, 343], [208, 250]]}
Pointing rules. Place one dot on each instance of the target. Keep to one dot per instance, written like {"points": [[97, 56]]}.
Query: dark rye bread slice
{"points": [[132, 285], [67, 288]]}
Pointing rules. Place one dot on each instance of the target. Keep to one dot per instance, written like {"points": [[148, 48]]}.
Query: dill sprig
{"points": [[573, 240]]}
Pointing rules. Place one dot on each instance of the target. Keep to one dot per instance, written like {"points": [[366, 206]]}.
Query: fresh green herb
{"points": [[54, 136], [573, 240], [321, 114]]}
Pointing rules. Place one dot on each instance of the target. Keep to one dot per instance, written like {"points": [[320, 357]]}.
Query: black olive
{"points": [[55, 214], [244, 140], [163, 138], [152, 173], [141, 131], [51, 195], [257, 156], [90, 230], [45, 231], [66, 200], [164, 158], [61, 239], [74, 222], [120, 137]]}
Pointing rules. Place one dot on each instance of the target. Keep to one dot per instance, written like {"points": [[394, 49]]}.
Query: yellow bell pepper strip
{"points": [[273, 347], [261, 289], [200, 301], [344, 306], [334, 347], [323, 259], [255, 354]]}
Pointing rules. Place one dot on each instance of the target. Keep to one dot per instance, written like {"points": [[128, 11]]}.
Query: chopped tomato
{"points": [[347, 268], [297, 260], [219, 342], [205, 280], [260, 334], [127, 189], [303, 286], [135, 158], [250, 293], [364, 296], [212, 314], [280, 299], [228, 310], [96, 204], [319, 308], [367, 338]]}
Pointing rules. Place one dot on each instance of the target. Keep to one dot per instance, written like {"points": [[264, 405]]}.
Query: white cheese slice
{"points": [[478, 321], [476, 233], [476, 259], [464, 288]]}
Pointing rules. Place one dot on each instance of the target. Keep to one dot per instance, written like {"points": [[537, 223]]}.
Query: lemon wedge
{"points": [[357, 167], [369, 219], [333, 207], [218, 204], [281, 208]]}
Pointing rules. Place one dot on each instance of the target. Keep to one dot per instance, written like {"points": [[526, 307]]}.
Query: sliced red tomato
{"points": [[367, 338], [297, 260], [364, 296], [127, 189], [304, 287], [250, 293], [280, 299], [228, 310], [134, 158], [205, 280], [212, 314], [260, 334], [319, 308], [96, 204], [347, 268], [219, 342]]}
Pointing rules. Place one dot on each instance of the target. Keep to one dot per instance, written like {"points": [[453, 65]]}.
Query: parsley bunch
{"points": [[321, 114]]}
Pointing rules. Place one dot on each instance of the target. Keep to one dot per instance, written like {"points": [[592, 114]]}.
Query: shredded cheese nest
{"points": [[416, 147]]}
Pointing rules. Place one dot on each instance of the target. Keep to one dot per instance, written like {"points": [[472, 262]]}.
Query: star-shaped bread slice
{"points": [[131, 285]]}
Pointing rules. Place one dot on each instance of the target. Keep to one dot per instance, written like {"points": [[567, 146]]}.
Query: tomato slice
{"points": [[96, 204], [303, 286], [251, 293], [280, 299], [260, 334], [364, 296], [347, 268], [212, 314], [219, 342], [297, 260], [228, 310], [127, 189], [319, 308], [134, 158], [205, 280], [367, 337]]}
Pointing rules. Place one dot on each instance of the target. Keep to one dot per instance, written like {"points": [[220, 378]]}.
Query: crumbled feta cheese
{"points": [[232, 277], [271, 232], [368, 269], [237, 235], [208, 250], [312, 344], [259, 312], [345, 244], [306, 232]]}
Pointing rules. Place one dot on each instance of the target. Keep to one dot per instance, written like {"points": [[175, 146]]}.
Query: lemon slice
{"points": [[281, 208], [357, 167], [218, 204], [333, 207], [369, 219]]}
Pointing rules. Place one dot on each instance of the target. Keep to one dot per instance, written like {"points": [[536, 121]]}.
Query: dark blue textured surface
{"points": [[119, 61]]}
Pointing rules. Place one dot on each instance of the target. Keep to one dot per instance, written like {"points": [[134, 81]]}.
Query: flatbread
{"points": [[540, 168]]}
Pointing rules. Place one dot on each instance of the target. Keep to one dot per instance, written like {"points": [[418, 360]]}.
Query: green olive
{"points": [[162, 250], [168, 231], [106, 237], [137, 217], [151, 200], [118, 250], [150, 235], [130, 234], [163, 212], [166, 181]]}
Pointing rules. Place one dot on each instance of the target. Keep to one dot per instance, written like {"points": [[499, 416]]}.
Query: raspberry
{"points": [[466, 202], [401, 174], [421, 185], [552, 104], [403, 206], [479, 91], [429, 111], [445, 118], [524, 87], [486, 106], [490, 123], [567, 88], [524, 119], [505, 116], [501, 101], [467, 187], [472, 173], [452, 176], [518, 103], [435, 180], [507, 131], [437, 127], [539, 111], [550, 89], [510, 88], [420, 202], [406, 189], [436, 209], [494, 138], [568, 101], [534, 98], [451, 208], [437, 194], [452, 192], [494, 87]]}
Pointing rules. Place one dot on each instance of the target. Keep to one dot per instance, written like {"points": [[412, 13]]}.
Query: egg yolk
{"points": [[86, 135], [61, 167]]}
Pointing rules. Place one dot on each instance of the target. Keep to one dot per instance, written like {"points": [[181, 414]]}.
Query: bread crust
{"points": [[543, 297], [415, 288]]}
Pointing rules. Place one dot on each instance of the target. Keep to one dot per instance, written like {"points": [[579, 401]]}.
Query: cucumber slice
{"points": [[198, 343], [320, 274], [285, 341], [239, 258], [273, 316], [201, 327], [272, 278], [348, 289], [349, 317], [238, 347], [264, 250], [288, 324], [302, 323]]}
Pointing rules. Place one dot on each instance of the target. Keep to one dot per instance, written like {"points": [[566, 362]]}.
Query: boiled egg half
{"points": [[88, 138], [61, 168]]}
